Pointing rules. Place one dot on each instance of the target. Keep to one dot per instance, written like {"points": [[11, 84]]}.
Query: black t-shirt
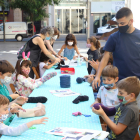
{"points": [[93, 55]]}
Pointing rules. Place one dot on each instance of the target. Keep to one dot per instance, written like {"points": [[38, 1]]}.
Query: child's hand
{"points": [[90, 79], [66, 58], [14, 96], [21, 100], [48, 76], [55, 62], [92, 105], [94, 64], [15, 108], [74, 57], [99, 112], [40, 121], [86, 59]]}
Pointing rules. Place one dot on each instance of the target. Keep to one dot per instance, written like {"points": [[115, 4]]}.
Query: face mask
{"points": [[3, 117], [26, 71], [55, 37], [122, 99], [70, 43], [123, 29], [88, 45], [108, 86], [6, 80], [48, 38]]}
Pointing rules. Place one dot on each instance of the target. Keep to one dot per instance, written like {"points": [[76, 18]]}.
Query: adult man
{"points": [[125, 45]]}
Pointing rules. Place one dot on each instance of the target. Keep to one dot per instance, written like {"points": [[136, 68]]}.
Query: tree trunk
{"points": [[3, 24], [33, 26]]}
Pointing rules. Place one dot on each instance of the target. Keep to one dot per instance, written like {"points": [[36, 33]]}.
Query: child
{"points": [[14, 131], [6, 70], [69, 47], [107, 94], [44, 64], [126, 119], [25, 84], [93, 52]]}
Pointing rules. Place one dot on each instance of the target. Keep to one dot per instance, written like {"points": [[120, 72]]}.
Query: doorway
{"points": [[100, 20], [71, 20]]}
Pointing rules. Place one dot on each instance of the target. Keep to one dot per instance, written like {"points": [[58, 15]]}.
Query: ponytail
{"points": [[98, 44]]}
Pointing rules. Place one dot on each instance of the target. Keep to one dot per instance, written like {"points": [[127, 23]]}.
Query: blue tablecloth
{"points": [[59, 109]]}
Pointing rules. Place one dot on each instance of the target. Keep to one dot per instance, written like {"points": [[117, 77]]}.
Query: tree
{"points": [[4, 5], [34, 8]]}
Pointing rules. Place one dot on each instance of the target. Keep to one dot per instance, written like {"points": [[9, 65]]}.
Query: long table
{"points": [[59, 109]]}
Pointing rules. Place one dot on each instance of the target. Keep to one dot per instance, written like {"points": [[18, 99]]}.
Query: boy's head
{"points": [[6, 71], [4, 103], [110, 61], [129, 89], [43, 57], [110, 76], [102, 50]]}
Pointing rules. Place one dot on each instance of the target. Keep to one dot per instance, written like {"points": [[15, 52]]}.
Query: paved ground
{"points": [[8, 50]]}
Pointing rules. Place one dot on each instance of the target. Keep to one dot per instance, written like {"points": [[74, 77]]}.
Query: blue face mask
{"points": [[48, 38], [108, 85]]}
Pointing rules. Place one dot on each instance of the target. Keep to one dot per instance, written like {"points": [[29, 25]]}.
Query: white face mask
{"points": [[55, 37], [70, 43], [3, 117], [6, 80]]}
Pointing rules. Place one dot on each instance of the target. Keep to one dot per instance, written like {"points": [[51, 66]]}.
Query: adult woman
{"points": [[36, 45], [50, 40]]}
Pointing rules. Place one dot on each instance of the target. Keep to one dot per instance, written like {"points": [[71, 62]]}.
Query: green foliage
{"points": [[34, 8], [4, 4]]}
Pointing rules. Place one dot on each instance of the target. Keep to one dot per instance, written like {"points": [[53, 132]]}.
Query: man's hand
{"points": [[15, 108], [95, 82], [99, 112], [21, 100]]}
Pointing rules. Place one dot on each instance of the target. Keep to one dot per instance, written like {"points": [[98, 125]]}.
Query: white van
{"points": [[14, 30]]}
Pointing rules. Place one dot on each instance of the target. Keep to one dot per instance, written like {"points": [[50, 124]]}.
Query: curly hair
{"points": [[71, 37]]}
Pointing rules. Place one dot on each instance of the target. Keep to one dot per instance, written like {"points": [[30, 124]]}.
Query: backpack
{"points": [[23, 48]]}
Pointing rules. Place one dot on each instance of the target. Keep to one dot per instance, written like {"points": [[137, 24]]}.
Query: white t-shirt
{"points": [[41, 69], [108, 98]]}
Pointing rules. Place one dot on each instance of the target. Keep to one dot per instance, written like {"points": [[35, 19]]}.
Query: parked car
{"points": [[14, 30], [106, 28]]}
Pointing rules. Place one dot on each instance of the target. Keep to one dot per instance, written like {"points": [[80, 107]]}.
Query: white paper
{"points": [[63, 93], [60, 91], [78, 134]]}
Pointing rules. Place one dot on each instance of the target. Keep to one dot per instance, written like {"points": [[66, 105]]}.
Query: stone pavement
{"points": [[8, 50]]}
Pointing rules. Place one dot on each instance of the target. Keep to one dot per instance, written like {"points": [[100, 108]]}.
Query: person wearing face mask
{"points": [[36, 45], [6, 71], [107, 94], [126, 115], [24, 83], [125, 46], [49, 41], [69, 47], [6, 112], [93, 53]]}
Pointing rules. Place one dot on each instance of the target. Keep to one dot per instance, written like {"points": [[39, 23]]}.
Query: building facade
{"points": [[70, 16]]}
